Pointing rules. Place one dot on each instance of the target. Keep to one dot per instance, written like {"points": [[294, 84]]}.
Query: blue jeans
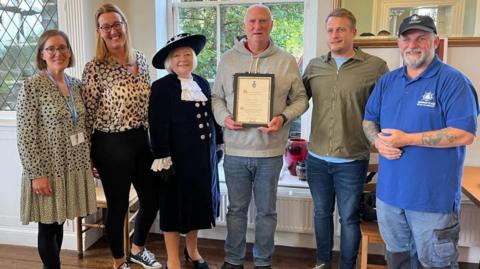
{"points": [[429, 238], [345, 181], [244, 175]]}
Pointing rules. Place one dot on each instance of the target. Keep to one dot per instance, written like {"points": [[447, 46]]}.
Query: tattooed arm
{"points": [[371, 130], [443, 138]]}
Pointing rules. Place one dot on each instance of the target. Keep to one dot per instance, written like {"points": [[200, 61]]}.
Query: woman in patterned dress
{"points": [[184, 138], [116, 90], [57, 179]]}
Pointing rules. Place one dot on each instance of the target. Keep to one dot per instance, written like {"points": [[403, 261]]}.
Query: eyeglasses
{"points": [[108, 27], [52, 49]]}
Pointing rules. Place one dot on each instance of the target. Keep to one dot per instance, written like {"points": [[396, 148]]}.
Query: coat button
{"points": [[202, 137], [197, 104], [208, 124], [210, 135], [199, 116], [200, 126], [204, 103], [206, 114]]}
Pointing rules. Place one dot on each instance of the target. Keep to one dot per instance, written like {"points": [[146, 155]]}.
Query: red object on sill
{"points": [[295, 152]]}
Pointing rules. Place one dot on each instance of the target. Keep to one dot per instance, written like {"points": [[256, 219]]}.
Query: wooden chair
{"points": [[370, 235], [369, 229], [102, 204]]}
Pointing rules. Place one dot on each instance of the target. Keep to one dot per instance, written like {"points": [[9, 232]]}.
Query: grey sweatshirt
{"points": [[290, 98]]}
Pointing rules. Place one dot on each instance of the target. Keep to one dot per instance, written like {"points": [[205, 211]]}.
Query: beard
{"points": [[414, 62]]}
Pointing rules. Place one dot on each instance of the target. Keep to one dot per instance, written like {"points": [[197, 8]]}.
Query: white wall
{"points": [[141, 18]]}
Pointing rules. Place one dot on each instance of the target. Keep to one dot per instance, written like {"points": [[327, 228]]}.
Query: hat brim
{"points": [[196, 42], [418, 27]]}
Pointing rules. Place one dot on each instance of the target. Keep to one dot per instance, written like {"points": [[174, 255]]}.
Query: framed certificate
{"points": [[253, 101]]}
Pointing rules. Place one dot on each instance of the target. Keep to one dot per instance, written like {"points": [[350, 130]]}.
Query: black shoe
{"points": [[198, 264], [124, 265], [146, 259], [263, 267], [227, 265]]}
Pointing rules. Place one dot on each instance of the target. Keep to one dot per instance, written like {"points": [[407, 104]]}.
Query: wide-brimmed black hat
{"points": [[196, 42], [424, 23]]}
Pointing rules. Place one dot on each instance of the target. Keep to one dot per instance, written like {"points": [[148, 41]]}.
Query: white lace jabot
{"points": [[191, 91]]}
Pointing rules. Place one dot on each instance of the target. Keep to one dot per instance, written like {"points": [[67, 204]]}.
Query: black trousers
{"points": [[121, 159], [50, 238]]}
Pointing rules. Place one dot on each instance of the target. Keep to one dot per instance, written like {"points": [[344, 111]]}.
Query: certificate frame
{"points": [[253, 105]]}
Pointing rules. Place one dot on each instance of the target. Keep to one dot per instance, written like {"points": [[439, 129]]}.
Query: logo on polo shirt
{"points": [[428, 99]]}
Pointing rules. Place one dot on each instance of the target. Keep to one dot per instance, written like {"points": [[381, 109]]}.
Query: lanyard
{"points": [[68, 99]]}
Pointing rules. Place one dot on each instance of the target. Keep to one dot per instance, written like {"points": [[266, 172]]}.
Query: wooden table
{"points": [[471, 183]]}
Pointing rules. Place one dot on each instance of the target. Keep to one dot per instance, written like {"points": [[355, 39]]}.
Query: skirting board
{"points": [[13, 233], [23, 237], [28, 237]]}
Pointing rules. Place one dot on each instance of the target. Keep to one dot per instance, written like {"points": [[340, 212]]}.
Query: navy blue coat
{"points": [[187, 132]]}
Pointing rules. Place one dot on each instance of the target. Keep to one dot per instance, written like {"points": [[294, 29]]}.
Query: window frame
{"points": [[175, 5], [173, 25], [8, 118]]}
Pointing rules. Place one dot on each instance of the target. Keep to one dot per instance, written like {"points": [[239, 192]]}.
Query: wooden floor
{"points": [[98, 256]]}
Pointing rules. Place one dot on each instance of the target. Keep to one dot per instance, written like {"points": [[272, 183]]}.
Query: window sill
{"points": [[286, 180], [8, 118]]}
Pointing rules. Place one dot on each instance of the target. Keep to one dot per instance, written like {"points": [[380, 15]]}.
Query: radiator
{"points": [[295, 214], [294, 211], [469, 228]]}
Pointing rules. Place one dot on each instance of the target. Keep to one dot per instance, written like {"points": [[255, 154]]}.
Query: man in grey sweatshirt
{"points": [[253, 156]]}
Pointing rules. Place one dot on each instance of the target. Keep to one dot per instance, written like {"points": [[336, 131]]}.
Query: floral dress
{"points": [[44, 128]]}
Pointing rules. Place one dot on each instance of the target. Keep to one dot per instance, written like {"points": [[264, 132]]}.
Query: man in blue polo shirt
{"points": [[420, 117]]}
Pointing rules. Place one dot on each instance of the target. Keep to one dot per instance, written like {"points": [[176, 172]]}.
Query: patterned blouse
{"points": [[115, 99]]}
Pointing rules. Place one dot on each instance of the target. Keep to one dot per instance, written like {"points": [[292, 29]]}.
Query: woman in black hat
{"points": [[184, 140]]}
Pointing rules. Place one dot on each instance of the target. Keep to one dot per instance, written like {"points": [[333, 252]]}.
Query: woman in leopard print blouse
{"points": [[57, 179], [116, 91]]}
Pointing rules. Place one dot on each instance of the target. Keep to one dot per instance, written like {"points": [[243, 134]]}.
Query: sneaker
{"points": [[146, 259], [124, 265], [227, 265], [320, 266]]}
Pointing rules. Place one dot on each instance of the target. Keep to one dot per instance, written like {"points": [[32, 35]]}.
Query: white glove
{"points": [[161, 164]]}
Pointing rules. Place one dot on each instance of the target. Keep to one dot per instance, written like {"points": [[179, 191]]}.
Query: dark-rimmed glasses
{"points": [[52, 49], [108, 27]]}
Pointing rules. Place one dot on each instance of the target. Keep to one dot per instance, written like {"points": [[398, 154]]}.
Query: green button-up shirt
{"points": [[339, 98]]}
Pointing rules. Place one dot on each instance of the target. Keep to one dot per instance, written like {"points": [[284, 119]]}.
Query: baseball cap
{"points": [[419, 22]]}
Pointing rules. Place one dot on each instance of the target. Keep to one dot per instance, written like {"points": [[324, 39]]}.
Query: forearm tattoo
{"points": [[371, 129], [436, 138]]}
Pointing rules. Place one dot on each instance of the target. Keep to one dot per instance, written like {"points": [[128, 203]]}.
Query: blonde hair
{"points": [[39, 61], [102, 53], [343, 13], [168, 60]]}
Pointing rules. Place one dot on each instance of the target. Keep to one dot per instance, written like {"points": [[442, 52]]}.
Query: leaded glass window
{"points": [[21, 24]]}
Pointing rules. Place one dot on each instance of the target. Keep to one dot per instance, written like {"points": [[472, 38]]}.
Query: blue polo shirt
{"points": [[423, 179]]}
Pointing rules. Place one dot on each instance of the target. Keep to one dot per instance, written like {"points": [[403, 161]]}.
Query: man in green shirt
{"points": [[339, 83]]}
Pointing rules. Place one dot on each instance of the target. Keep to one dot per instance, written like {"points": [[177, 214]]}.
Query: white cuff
{"points": [[161, 164]]}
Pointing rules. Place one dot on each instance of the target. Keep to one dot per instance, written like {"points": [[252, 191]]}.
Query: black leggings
{"points": [[50, 237], [121, 159]]}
